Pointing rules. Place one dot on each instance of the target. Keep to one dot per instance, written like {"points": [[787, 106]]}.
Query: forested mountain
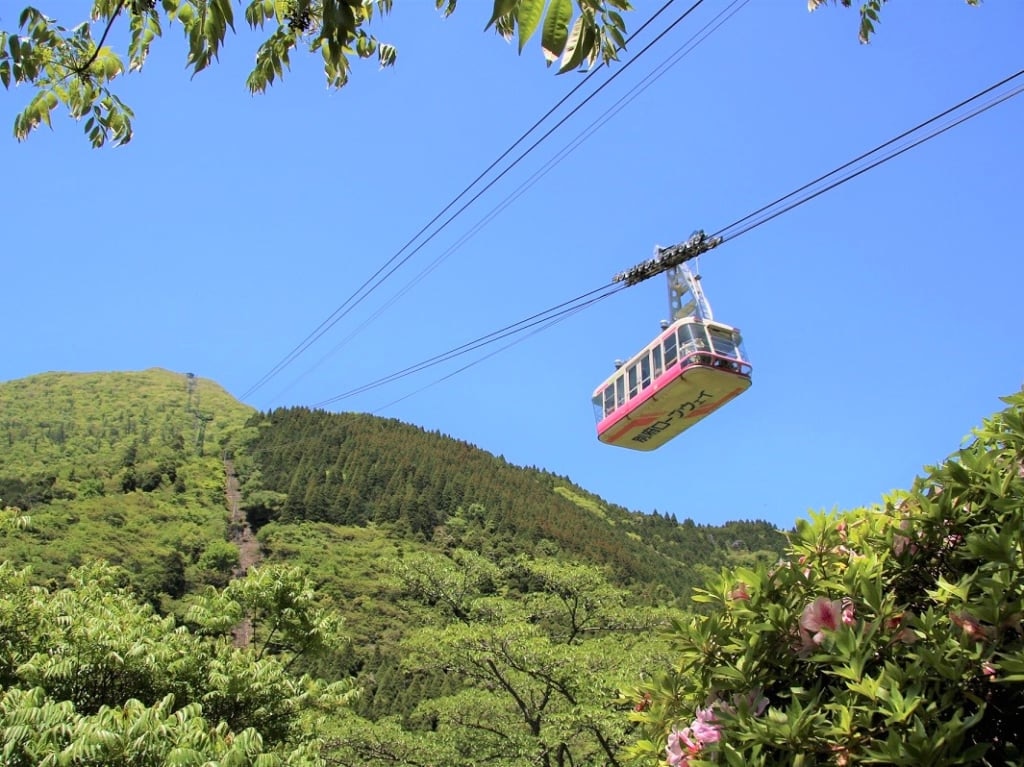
{"points": [[128, 467], [359, 470], [403, 533]]}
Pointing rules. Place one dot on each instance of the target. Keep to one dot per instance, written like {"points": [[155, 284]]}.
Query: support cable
{"points": [[659, 71], [381, 275], [700, 242], [995, 101], [560, 317], [562, 309]]}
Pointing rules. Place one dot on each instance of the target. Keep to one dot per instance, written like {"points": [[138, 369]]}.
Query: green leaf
{"points": [[501, 8], [556, 29], [616, 37], [225, 13], [575, 47], [530, 12], [993, 545], [729, 673], [107, 64]]}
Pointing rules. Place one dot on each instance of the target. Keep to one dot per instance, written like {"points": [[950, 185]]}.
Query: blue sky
{"points": [[882, 318]]}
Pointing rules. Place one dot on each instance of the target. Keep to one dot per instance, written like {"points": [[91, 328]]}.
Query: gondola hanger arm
{"points": [[666, 258]]}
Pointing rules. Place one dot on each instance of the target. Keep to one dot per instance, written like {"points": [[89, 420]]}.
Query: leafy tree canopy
{"points": [[537, 649], [869, 13], [90, 676], [76, 65]]}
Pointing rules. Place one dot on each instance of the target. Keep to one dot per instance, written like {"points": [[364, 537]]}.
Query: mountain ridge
{"points": [[129, 467]]}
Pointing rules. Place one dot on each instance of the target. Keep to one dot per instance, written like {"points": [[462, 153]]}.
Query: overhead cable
{"points": [[548, 323], [564, 308], [382, 273], [770, 212], [653, 76]]}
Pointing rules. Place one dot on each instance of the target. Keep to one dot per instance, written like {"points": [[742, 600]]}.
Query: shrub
{"points": [[890, 635]]}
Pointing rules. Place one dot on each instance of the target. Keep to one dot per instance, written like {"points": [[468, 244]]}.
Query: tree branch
{"points": [[608, 747], [81, 69], [520, 703]]}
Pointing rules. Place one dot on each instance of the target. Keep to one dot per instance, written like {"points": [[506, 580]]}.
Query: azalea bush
{"points": [[890, 635]]}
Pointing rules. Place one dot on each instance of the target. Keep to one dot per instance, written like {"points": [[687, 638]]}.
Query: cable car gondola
{"points": [[692, 368]]}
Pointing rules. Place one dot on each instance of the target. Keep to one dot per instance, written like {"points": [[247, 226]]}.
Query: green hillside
{"points": [[128, 467], [131, 468], [360, 470], [125, 467]]}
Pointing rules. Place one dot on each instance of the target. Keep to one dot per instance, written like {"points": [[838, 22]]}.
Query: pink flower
{"points": [[849, 617], [846, 551], [970, 626], [907, 636], [988, 670], [755, 701], [758, 702], [680, 748], [897, 625], [704, 728], [820, 616], [901, 543], [740, 592], [687, 743]]}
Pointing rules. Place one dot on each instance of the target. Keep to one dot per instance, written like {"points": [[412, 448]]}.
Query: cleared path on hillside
{"points": [[242, 536]]}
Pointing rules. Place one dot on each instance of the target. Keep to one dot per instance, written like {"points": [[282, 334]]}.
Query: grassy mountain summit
{"points": [[118, 466], [89, 419]]}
